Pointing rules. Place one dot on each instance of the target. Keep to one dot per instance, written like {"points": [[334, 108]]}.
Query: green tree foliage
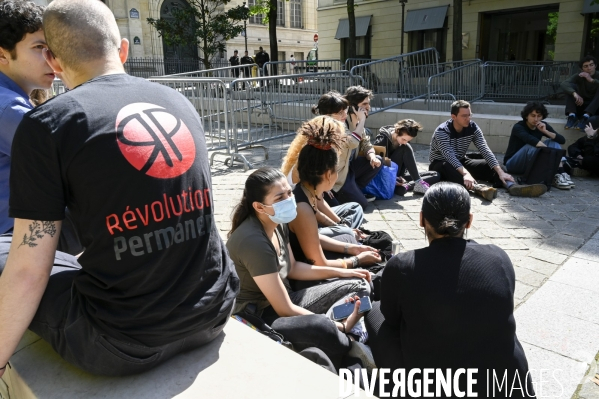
{"points": [[205, 23], [268, 9], [552, 30]]}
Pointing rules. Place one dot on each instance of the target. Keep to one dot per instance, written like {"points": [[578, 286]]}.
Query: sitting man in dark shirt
{"points": [[128, 158], [527, 135], [582, 96], [585, 151]]}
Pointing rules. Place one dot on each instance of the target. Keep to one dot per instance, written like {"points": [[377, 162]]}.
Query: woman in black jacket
{"points": [[396, 139], [450, 305]]}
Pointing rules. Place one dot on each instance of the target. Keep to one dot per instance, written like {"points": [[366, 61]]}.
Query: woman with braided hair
{"points": [[317, 169], [450, 305]]}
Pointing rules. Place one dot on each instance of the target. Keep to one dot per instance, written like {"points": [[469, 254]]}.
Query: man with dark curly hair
{"points": [[527, 136], [22, 70]]}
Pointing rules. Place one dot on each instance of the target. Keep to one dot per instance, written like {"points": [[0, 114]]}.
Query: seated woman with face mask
{"points": [[450, 305], [259, 246]]}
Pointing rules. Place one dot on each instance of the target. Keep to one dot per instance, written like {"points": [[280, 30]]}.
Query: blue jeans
{"points": [[519, 161]]}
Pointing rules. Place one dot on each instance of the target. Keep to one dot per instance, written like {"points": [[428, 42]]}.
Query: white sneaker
{"points": [[560, 182], [568, 179], [364, 353], [421, 186]]}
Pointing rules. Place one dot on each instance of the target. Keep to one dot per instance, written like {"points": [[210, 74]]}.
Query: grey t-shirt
{"points": [[254, 255]]}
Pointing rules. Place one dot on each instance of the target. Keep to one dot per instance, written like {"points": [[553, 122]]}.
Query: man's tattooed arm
{"points": [[37, 230]]}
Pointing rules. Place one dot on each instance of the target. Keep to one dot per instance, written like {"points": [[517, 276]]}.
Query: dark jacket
{"points": [[584, 88], [246, 59], [261, 58], [522, 135], [384, 139], [585, 147], [234, 60]]}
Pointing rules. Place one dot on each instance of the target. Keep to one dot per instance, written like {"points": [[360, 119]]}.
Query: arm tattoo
{"points": [[38, 229]]}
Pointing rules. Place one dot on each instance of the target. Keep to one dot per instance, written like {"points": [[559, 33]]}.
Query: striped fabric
{"points": [[448, 145]]}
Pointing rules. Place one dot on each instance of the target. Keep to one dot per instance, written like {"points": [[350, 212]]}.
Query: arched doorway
{"points": [[178, 58]]}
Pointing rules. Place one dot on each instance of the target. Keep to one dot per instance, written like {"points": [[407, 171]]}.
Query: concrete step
{"points": [[496, 128], [239, 363]]}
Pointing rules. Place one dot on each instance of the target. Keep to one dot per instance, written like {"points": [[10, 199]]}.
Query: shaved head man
{"points": [[128, 159]]}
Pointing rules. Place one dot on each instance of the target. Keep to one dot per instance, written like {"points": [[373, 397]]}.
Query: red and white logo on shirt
{"points": [[154, 141]]}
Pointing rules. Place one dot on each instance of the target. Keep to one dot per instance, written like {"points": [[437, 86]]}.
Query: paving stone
{"points": [[522, 290], [562, 244], [524, 233], [532, 243], [568, 300], [560, 333], [538, 265], [548, 256], [413, 244], [399, 226], [579, 273], [579, 229], [394, 216], [496, 233], [529, 277], [589, 251], [567, 371], [505, 243], [411, 234]]}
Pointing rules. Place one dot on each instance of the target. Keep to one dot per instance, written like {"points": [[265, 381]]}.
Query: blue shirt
{"points": [[14, 103]]}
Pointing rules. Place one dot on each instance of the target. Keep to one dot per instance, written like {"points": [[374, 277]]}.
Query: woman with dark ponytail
{"points": [[450, 305], [259, 247], [317, 167]]}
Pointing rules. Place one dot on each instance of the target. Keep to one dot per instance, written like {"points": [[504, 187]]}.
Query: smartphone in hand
{"points": [[344, 310]]}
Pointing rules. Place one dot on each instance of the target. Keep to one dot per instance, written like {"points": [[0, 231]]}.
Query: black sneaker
{"points": [[582, 123], [571, 122]]}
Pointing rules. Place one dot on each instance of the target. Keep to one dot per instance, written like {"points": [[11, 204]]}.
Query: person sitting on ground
{"points": [[450, 305], [317, 167], [527, 135], [582, 96], [25, 77], [448, 154], [259, 246], [128, 158], [332, 221], [586, 151], [355, 172], [396, 139]]}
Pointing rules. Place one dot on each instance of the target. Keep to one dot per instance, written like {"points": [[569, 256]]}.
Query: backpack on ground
{"points": [[543, 166]]}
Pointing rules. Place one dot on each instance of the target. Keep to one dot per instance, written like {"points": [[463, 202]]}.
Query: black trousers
{"points": [[589, 106], [360, 173], [403, 156], [478, 168], [591, 163]]}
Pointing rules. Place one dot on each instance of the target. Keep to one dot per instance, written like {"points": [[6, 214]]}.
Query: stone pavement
{"points": [[539, 234]]}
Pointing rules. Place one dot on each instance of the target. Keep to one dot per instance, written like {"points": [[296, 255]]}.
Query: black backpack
{"points": [[543, 166]]}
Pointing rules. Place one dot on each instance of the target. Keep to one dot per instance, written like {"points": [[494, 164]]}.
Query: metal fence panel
{"points": [[58, 87], [464, 82], [398, 80], [208, 97], [149, 67], [507, 81], [230, 72], [301, 66], [273, 107]]}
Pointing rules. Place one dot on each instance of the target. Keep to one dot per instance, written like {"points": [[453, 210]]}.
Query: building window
{"points": [[280, 13], [254, 19], [296, 14], [421, 39], [362, 46]]}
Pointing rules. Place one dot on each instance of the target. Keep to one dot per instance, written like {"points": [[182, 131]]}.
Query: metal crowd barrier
{"points": [[58, 87], [352, 62], [208, 97], [301, 66], [508, 81], [270, 108], [398, 80], [148, 67], [226, 72], [466, 82]]}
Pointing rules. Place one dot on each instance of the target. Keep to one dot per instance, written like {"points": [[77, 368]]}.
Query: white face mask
{"points": [[285, 211]]}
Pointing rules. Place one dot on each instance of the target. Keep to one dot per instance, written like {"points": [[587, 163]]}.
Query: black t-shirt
{"points": [[129, 160]]}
